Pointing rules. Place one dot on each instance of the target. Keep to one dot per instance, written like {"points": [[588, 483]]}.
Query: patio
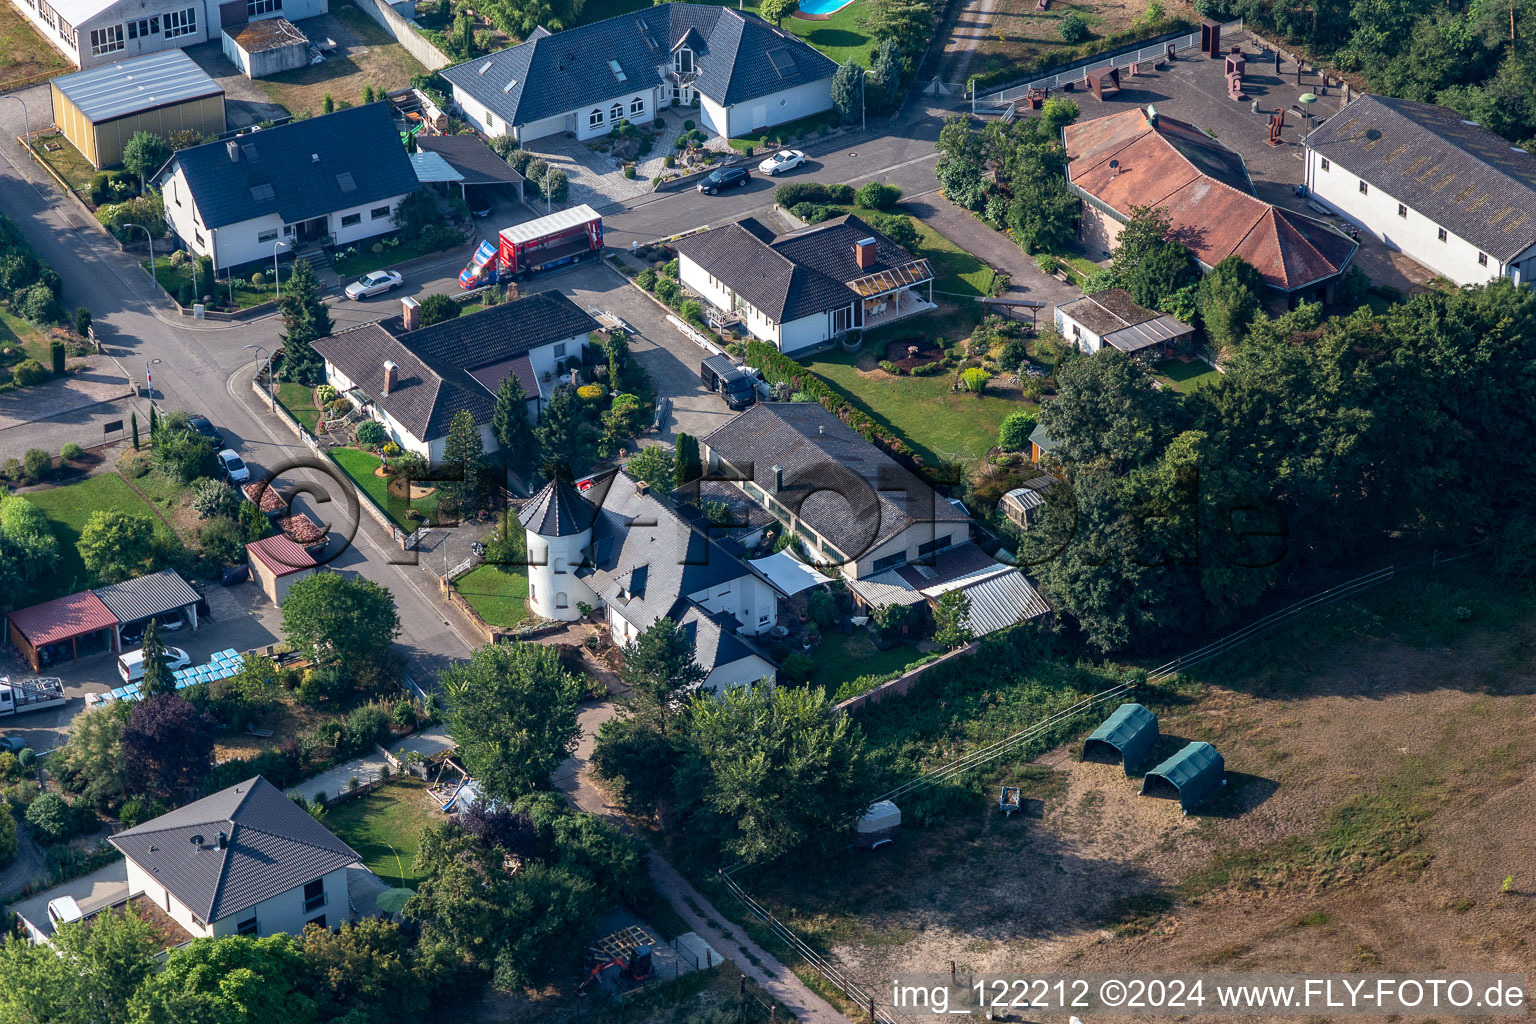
{"points": [[892, 306]]}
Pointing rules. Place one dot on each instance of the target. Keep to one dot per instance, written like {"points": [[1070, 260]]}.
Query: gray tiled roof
{"points": [[714, 638], [273, 846], [302, 162], [739, 57], [472, 158], [434, 362], [1459, 174], [816, 451], [143, 596], [795, 275], [558, 510]]}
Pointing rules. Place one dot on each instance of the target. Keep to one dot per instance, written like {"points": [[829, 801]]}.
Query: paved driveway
{"points": [[98, 380]]}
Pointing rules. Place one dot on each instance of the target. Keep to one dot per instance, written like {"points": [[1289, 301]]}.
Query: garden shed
{"points": [[62, 624], [262, 48], [1192, 775], [277, 563], [1128, 736], [99, 110]]}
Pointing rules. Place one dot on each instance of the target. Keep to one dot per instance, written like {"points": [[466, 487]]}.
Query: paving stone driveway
{"points": [[597, 179]]}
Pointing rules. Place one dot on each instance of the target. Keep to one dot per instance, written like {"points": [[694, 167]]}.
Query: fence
{"points": [[1073, 74], [406, 34]]}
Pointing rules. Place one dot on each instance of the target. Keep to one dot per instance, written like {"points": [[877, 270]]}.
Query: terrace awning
{"points": [[885, 281]]}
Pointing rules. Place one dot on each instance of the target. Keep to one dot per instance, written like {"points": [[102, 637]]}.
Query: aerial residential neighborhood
{"points": [[834, 511]]}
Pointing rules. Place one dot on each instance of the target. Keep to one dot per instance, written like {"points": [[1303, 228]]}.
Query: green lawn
{"points": [[936, 422], [299, 400], [359, 465], [26, 53], [246, 294], [498, 595], [24, 341], [959, 272], [1183, 377], [67, 509], [67, 161], [841, 37], [791, 132], [366, 261], [384, 827], [843, 659]]}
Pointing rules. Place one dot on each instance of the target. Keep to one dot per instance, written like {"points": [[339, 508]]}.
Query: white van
{"points": [[131, 665]]}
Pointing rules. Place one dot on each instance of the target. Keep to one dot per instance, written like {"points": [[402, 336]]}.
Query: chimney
{"points": [[778, 479], [223, 840], [1151, 115], [408, 307], [232, 147], [864, 253], [391, 377], [821, 428], [642, 488]]}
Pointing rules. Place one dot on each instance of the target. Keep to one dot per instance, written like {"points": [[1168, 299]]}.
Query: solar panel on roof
{"points": [[262, 192]]}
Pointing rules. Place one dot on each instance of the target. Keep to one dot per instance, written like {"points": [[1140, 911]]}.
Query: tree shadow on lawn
{"points": [[837, 37]]}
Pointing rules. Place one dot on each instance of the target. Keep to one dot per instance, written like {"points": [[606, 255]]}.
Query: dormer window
{"points": [[682, 61]]}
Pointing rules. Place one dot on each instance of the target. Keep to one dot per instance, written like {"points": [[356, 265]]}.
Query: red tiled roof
{"points": [[1205, 189], [281, 555], [62, 618]]}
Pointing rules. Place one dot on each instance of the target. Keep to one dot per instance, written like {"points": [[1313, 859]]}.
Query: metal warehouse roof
{"points": [[130, 86], [154, 594]]}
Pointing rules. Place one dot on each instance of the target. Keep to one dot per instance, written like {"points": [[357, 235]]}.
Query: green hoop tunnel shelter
{"points": [[1128, 736], [1193, 775]]}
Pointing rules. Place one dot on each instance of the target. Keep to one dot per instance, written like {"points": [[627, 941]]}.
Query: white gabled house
{"points": [[330, 180], [744, 73]]}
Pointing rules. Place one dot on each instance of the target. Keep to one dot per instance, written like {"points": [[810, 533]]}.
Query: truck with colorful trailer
{"points": [[540, 244]]}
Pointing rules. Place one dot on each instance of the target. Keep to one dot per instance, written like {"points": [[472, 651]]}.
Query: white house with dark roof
{"points": [[1113, 318], [1444, 190], [805, 288], [335, 179], [414, 380], [628, 551], [244, 861], [745, 73], [90, 33]]}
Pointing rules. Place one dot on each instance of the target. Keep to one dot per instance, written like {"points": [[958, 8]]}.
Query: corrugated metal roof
{"points": [[1002, 600], [1032, 494], [130, 86], [281, 555], [62, 618], [154, 594]]}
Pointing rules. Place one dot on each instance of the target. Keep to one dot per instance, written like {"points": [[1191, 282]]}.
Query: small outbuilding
{"points": [[477, 165], [1192, 775], [266, 47], [277, 563], [877, 826], [156, 596], [79, 623], [1127, 737], [99, 110], [1022, 505]]}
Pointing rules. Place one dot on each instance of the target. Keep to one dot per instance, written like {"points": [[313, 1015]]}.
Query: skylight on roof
{"points": [[345, 183], [618, 72], [262, 192], [483, 68], [511, 83], [248, 150], [782, 62]]}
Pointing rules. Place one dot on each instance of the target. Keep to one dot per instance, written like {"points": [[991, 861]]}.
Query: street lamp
{"points": [[152, 275], [271, 397], [546, 189], [277, 278], [26, 120]]}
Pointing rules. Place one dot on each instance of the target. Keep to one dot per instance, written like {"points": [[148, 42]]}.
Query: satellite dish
{"points": [[1113, 164]]}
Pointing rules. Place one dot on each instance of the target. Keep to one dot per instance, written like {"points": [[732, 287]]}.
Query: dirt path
{"points": [[756, 962], [27, 865], [970, 28]]}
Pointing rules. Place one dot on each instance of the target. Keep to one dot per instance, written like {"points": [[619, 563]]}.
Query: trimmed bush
{"points": [[975, 379], [691, 310], [371, 433], [646, 279], [36, 464], [1074, 28], [890, 367], [71, 451], [927, 370], [875, 196], [29, 372]]}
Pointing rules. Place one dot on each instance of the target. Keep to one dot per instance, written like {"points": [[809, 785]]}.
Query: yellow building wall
{"points": [[102, 144]]}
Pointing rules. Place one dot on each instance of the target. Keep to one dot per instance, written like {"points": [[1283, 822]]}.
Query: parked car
{"points": [[720, 375], [130, 667], [234, 467], [133, 633], [725, 177], [783, 160], [207, 429], [479, 206], [13, 744], [376, 283]]}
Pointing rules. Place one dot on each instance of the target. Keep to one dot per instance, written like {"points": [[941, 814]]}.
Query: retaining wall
{"points": [[899, 686]]}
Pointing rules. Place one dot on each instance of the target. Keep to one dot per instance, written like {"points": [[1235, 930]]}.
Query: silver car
{"points": [[376, 283]]}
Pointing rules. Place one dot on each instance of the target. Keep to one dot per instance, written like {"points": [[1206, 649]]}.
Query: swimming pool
{"points": [[822, 8]]}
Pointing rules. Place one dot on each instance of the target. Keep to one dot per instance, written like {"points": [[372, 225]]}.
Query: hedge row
{"points": [[781, 369]]}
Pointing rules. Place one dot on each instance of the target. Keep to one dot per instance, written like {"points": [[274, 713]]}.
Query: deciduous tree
{"points": [[115, 545], [336, 619], [168, 746], [661, 673]]}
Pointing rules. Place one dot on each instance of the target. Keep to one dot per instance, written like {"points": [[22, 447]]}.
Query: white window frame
{"points": [[616, 113], [351, 220], [107, 40], [255, 8], [180, 23], [595, 119], [267, 236], [637, 107]]}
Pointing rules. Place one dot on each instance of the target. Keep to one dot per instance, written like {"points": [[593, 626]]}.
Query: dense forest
{"points": [[1475, 56]]}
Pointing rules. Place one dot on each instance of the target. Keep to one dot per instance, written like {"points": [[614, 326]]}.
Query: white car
{"points": [[130, 667], [783, 160], [234, 467], [376, 283]]}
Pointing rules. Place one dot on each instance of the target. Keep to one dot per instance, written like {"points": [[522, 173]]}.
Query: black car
{"points": [[479, 206], [207, 429], [724, 178]]}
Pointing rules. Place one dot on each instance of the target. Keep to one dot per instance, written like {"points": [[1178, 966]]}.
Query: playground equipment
{"points": [[1011, 799], [628, 949]]}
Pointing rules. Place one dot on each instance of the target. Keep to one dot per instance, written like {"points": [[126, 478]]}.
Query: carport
{"points": [[137, 600], [64, 620], [477, 164], [1192, 775], [1127, 737]]}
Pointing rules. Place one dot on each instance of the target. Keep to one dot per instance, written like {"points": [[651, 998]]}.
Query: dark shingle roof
{"points": [[816, 451], [434, 362], [143, 596], [473, 159], [741, 57], [274, 845], [558, 510], [361, 141], [714, 638], [795, 275], [1457, 173]]}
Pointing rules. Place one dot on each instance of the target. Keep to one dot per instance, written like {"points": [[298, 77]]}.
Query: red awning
{"points": [[63, 618]]}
